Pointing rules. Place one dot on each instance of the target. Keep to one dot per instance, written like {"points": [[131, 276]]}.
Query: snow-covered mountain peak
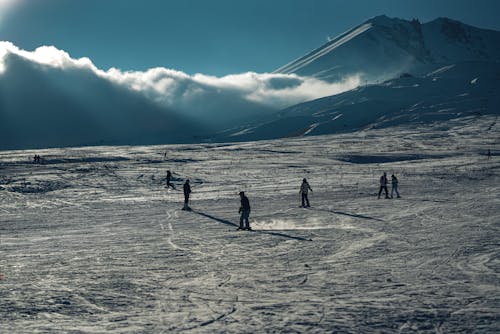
{"points": [[385, 21], [382, 48]]}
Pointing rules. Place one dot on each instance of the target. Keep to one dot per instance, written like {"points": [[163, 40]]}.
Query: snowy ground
{"points": [[92, 242]]}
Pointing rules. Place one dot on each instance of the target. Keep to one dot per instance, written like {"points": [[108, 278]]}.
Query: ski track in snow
{"points": [[100, 245]]}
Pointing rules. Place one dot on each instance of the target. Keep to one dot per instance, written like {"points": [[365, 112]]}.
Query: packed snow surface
{"points": [[92, 242]]}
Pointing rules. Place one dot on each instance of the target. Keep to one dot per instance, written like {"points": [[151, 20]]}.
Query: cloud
{"points": [[76, 102], [275, 91], [190, 93]]}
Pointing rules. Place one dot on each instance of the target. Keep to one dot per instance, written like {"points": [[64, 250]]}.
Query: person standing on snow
{"points": [[383, 186], [169, 177], [245, 212], [304, 190], [187, 191], [394, 183]]}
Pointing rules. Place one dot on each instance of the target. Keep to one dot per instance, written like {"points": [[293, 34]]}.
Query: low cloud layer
{"points": [[197, 95], [49, 99]]}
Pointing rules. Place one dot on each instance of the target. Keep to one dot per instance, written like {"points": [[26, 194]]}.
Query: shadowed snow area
{"points": [[92, 241]]}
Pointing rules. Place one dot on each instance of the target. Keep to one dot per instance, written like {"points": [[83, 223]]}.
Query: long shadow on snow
{"points": [[227, 222], [349, 214]]}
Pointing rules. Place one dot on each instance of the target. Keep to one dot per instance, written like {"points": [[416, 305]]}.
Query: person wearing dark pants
{"points": [[304, 190], [245, 212], [169, 178], [383, 186], [187, 191], [394, 182]]}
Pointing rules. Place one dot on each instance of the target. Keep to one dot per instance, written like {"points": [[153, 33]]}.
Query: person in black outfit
{"points": [[383, 186], [304, 190], [245, 212], [169, 177], [187, 191]]}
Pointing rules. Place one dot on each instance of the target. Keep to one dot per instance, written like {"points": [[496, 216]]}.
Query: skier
{"points": [[304, 189], [187, 191], [169, 177], [394, 183], [245, 212], [383, 186]]}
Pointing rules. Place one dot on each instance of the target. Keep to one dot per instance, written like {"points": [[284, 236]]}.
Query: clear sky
{"points": [[214, 37]]}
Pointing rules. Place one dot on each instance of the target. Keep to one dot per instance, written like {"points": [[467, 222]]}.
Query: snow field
{"points": [[93, 242]]}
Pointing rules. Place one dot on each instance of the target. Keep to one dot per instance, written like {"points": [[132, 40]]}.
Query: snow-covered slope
{"points": [[383, 48], [92, 242], [454, 91]]}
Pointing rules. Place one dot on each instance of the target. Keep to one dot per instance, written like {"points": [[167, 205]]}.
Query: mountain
{"points": [[413, 73], [465, 89], [383, 48]]}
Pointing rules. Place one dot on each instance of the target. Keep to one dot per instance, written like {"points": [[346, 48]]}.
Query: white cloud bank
{"points": [[198, 95]]}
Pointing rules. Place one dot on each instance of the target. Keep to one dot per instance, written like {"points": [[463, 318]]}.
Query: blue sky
{"points": [[215, 37]]}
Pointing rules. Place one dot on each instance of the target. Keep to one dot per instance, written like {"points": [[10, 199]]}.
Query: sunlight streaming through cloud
{"points": [[5, 6], [190, 93]]}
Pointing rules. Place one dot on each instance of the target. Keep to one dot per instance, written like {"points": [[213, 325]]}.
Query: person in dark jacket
{"points": [[304, 190], [187, 191], [383, 186], [169, 177], [394, 183], [245, 212]]}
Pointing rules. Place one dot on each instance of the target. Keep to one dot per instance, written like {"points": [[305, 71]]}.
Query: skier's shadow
{"points": [[350, 214], [227, 222]]}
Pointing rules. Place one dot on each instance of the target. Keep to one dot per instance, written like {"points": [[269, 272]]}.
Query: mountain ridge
{"points": [[382, 48], [465, 89]]}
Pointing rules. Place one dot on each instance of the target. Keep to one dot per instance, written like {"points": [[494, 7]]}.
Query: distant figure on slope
{"points": [[489, 154], [245, 212], [394, 183], [383, 186], [187, 191], [304, 190], [169, 177]]}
